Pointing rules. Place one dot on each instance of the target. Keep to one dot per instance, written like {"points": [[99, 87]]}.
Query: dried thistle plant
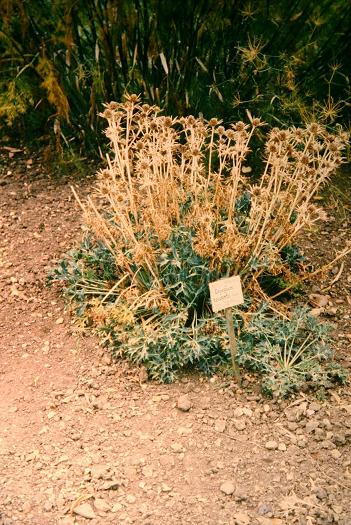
{"points": [[176, 209], [165, 174]]}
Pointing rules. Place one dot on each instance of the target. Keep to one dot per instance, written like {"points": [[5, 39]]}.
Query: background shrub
{"points": [[288, 61]]}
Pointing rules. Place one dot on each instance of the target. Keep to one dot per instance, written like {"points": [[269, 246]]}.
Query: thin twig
{"points": [[336, 278], [308, 276], [348, 487]]}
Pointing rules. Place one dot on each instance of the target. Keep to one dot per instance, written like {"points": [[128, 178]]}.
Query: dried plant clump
{"points": [[168, 174], [175, 209]]}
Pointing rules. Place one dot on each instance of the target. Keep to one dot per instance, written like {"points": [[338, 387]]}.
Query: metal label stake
{"points": [[232, 343]]}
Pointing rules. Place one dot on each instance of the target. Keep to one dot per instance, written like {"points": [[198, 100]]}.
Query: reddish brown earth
{"points": [[79, 435]]}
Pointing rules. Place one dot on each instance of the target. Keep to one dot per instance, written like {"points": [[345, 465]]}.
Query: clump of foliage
{"points": [[165, 343], [60, 60], [291, 354], [87, 273], [176, 209], [166, 346]]}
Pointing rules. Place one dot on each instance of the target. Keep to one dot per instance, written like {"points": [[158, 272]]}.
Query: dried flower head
{"points": [[213, 122], [132, 98], [283, 135], [272, 148], [230, 134], [240, 126], [314, 128], [256, 122], [256, 191], [334, 147], [304, 159]]}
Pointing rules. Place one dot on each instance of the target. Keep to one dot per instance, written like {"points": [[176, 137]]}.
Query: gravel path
{"points": [[84, 440]]}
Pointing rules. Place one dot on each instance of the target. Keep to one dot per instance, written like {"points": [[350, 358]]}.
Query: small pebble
{"points": [[184, 404], [239, 424], [48, 506], [321, 493], [264, 508], [220, 425], [238, 412], [271, 445], [227, 487], [101, 505], [85, 510]]}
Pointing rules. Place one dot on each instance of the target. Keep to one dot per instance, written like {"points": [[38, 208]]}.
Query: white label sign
{"points": [[226, 293]]}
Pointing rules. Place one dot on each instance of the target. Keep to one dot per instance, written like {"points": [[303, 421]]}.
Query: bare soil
{"points": [[82, 436]]}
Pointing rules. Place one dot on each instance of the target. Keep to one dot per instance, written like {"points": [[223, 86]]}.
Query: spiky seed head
{"points": [[313, 128], [240, 126], [257, 122], [213, 122]]}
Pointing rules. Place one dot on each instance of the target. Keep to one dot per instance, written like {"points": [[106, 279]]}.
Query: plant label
{"points": [[226, 293]]}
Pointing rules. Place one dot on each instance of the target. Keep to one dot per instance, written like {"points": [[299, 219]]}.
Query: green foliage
{"points": [[274, 284], [165, 344], [168, 347], [14, 100], [184, 274], [291, 355], [242, 211], [288, 61], [86, 273], [291, 254]]}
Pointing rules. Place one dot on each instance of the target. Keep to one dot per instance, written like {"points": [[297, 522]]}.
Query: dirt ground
{"points": [[84, 440]]}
